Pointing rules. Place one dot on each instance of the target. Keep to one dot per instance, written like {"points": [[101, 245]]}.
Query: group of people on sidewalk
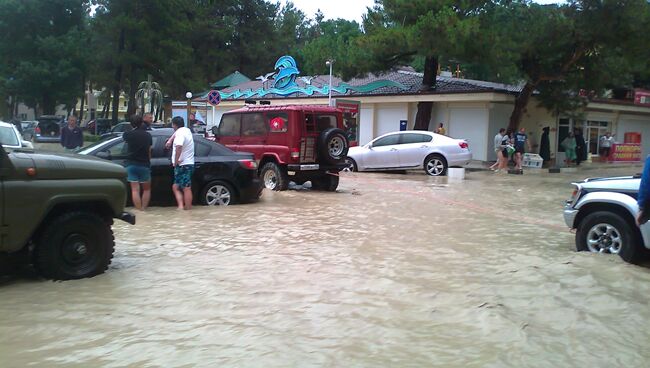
{"points": [[508, 145]]}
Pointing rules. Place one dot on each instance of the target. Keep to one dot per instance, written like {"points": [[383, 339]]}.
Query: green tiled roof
{"points": [[230, 81]]}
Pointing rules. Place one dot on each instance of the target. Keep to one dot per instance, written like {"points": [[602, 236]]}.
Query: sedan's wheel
{"points": [[274, 177], [217, 194], [350, 165], [608, 232], [73, 246], [435, 165]]}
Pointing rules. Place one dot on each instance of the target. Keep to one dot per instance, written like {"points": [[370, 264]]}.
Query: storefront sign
{"points": [[625, 152], [641, 97]]}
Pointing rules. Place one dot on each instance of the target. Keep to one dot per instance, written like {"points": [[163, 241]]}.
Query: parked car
{"points": [[48, 129], [297, 143], [11, 138], [221, 176], [57, 212], [29, 126], [603, 212], [415, 149], [100, 126]]}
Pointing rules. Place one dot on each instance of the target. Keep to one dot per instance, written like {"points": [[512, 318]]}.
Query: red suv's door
{"points": [[254, 134], [280, 139], [229, 132]]}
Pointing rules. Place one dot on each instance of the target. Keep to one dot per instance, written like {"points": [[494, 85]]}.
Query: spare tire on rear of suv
{"points": [[333, 145]]}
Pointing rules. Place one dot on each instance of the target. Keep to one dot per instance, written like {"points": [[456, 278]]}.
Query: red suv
{"points": [[291, 143]]}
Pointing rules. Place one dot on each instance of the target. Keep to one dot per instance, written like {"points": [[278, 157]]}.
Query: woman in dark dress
{"points": [[581, 147], [545, 146]]}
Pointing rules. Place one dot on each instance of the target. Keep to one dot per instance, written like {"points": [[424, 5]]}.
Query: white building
{"points": [[470, 109]]}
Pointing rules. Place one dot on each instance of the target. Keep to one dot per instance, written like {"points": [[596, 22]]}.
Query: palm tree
{"points": [[149, 92]]}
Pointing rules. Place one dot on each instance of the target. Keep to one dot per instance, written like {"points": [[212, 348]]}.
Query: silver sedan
{"points": [[413, 149]]}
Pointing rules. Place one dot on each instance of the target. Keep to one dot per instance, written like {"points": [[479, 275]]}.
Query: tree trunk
{"points": [[520, 106], [423, 116], [48, 105], [118, 80], [83, 98]]}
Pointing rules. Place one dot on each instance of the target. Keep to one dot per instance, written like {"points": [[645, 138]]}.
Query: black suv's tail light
{"points": [[248, 164]]}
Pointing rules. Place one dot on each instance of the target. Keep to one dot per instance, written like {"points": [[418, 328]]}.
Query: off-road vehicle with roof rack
{"points": [[290, 142], [56, 211], [603, 212]]}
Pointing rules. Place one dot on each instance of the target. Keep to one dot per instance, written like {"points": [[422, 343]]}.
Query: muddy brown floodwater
{"points": [[392, 270]]}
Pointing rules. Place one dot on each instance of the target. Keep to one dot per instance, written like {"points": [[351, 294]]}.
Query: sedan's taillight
{"points": [[248, 164], [37, 130], [463, 144]]}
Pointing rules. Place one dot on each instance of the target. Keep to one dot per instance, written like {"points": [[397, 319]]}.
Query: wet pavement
{"points": [[391, 270]]}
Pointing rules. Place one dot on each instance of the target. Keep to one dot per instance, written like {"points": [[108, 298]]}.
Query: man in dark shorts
{"points": [[182, 144], [138, 162], [521, 140]]}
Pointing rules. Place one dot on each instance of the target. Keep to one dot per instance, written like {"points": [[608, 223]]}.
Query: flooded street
{"points": [[392, 270]]}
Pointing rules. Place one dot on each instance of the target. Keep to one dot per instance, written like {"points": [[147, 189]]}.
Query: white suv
{"points": [[603, 212], [10, 137]]}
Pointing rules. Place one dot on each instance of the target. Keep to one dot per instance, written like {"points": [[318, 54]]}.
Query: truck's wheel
{"points": [[608, 232], [333, 145], [328, 183], [73, 246], [274, 177]]}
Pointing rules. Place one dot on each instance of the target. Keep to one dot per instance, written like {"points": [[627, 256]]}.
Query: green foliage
{"points": [[335, 39], [42, 63]]}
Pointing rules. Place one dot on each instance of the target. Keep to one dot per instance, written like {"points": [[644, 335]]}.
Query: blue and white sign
{"points": [[402, 125]]}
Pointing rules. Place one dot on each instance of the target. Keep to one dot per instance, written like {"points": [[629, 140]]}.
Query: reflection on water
{"points": [[392, 270]]}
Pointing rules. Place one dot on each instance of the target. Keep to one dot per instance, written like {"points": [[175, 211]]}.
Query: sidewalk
{"points": [[476, 165]]}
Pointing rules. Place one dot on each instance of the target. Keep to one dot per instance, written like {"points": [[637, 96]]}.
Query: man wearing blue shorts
{"points": [[138, 162], [183, 161]]}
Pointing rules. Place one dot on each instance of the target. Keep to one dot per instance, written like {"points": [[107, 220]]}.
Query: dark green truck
{"points": [[57, 211]]}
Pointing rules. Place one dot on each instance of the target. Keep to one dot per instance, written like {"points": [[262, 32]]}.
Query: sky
{"points": [[347, 9]]}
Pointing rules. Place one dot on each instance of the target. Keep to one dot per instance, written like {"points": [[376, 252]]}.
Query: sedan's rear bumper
{"points": [[251, 192], [47, 139], [459, 159]]}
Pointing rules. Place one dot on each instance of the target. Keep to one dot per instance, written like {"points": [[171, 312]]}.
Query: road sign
{"points": [[214, 97]]}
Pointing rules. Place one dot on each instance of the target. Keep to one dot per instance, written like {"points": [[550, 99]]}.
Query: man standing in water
{"points": [[138, 163], [183, 162]]}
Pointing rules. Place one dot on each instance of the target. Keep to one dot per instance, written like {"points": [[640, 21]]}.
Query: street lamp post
{"points": [[329, 63], [188, 95]]}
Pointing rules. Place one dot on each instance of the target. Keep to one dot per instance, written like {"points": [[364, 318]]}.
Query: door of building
{"points": [[595, 130]]}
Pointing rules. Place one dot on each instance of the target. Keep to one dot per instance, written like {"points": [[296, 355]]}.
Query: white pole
{"points": [[214, 123], [329, 101]]}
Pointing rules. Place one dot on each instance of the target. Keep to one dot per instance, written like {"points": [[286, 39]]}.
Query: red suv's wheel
{"points": [[333, 145], [274, 177]]}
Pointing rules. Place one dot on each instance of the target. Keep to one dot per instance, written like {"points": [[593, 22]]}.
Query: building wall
{"points": [[470, 123], [634, 123], [366, 120], [534, 120], [499, 118], [388, 116]]}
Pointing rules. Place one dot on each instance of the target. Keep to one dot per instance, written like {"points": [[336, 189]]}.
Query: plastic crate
{"points": [[532, 160]]}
